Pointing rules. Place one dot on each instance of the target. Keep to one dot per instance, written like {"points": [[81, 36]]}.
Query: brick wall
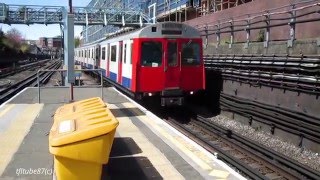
{"points": [[303, 31]]}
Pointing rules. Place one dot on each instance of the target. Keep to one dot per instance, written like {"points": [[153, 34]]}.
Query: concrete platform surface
{"points": [[145, 147]]}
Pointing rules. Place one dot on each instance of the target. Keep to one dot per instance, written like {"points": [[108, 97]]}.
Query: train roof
{"points": [[159, 30]]}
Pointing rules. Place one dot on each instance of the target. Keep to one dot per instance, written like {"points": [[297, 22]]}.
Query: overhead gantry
{"points": [[35, 14]]}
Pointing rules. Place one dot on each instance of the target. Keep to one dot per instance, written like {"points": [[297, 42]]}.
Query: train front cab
{"points": [[172, 67]]}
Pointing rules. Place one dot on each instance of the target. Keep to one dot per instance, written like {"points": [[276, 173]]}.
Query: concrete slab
{"points": [[144, 147]]}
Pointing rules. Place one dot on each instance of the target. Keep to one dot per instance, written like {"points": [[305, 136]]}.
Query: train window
{"points": [[103, 53], [113, 53], [190, 53], [92, 56], [85, 53], [108, 52], [131, 53], [172, 54], [125, 53], [151, 54]]}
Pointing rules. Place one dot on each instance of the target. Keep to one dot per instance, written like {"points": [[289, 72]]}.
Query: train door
{"points": [[172, 66], [108, 56], [114, 58], [97, 57], [191, 64], [126, 64]]}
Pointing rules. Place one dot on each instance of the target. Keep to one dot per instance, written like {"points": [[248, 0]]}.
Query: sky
{"points": [[33, 32]]}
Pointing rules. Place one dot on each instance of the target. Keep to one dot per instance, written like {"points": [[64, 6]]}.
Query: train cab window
{"points": [[151, 54], [113, 53], [190, 53], [103, 57], [172, 54]]}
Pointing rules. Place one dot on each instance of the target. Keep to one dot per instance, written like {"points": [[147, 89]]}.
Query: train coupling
{"points": [[173, 96], [171, 101]]}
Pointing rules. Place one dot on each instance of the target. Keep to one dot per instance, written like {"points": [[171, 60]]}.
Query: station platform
{"points": [[145, 147]]}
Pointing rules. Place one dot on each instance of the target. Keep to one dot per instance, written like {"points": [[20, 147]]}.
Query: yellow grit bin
{"points": [[81, 138]]}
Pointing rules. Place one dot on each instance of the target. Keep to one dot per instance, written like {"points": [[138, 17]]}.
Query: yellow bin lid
{"points": [[80, 106], [79, 128]]}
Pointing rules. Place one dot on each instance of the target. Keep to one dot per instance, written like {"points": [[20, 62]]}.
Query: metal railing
{"points": [[71, 87], [289, 15], [295, 73], [34, 14]]}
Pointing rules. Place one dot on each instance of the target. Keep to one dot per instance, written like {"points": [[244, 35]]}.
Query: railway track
{"points": [[29, 81], [10, 71], [252, 159]]}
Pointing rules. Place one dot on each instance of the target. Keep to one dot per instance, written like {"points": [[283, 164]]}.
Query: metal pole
{"points": [[70, 6], [101, 80], [38, 82], [71, 84], [71, 92], [231, 33]]}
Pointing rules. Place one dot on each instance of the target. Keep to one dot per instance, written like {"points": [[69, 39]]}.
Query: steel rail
{"points": [[267, 152], [273, 118], [13, 89], [218, 144]]}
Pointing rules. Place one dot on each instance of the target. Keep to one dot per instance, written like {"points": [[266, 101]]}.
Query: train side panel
{"points": [[149, 76], [113, 62], [126, 64], [193, 72], [103, 59]]}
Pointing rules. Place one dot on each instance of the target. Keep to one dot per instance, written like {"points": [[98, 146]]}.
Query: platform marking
{"points": [[8, 108], [159, 121], [164, 167], [188, 149], [177, 143], [13, 136], [3, 104]]}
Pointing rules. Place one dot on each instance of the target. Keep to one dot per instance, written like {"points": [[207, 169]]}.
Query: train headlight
{"points": [[149, 94], [191, 92]]}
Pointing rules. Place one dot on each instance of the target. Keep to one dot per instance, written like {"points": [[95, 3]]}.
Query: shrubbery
{"points": [[12, 47]]}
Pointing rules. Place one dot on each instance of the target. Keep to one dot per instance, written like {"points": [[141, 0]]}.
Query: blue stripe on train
{"points": [[104, 72], [89, 66], [113, 76], [126, 82]]}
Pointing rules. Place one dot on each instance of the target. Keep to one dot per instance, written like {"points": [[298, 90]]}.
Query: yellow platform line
{"points": [[11, 138], [8, 108]]}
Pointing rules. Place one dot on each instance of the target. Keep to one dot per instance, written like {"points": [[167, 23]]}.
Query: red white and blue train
{"points": [[161, 59]]}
